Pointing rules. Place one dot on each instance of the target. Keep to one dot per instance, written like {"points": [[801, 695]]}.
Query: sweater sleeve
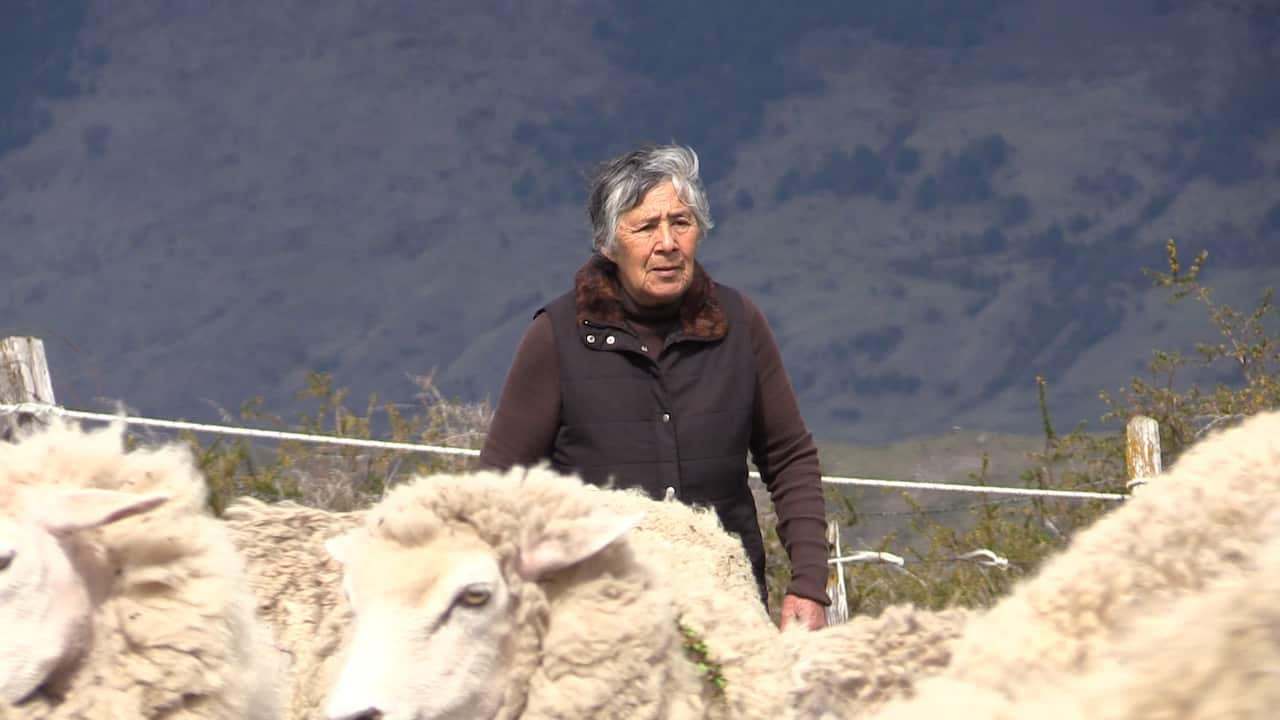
{"points": [[783, 450], [527, 417]]}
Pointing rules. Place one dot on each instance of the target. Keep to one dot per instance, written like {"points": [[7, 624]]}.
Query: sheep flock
{"points": [[528, 594]]}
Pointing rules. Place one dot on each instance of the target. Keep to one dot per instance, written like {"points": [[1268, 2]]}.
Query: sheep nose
{"points": [[366, 714]]}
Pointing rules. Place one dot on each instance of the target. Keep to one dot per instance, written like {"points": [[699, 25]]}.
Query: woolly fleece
{"points": [[1202, 523], [176, 637], [601, 640], [1214, 653], [298, 587]]}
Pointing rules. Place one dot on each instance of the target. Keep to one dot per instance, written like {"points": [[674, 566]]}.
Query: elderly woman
{"points": [[649, 374]]}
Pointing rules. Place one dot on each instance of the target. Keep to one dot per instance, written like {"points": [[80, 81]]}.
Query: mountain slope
{"points": [[932, 203]]}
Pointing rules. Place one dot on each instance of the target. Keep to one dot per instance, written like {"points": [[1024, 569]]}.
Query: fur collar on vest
{"points": [[598, 297]]}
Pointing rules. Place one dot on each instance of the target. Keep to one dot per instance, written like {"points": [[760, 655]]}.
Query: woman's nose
{"points": [[666, 238]]}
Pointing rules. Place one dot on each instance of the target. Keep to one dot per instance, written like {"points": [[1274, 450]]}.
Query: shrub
{"points": [[1025, 531], [340, 477]]}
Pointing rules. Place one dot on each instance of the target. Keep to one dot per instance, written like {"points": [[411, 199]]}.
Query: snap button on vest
{"points": [[666, 417]]}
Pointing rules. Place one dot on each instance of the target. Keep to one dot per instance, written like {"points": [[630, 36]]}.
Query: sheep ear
{"points": [[69, 511], [339, 547], [566, 543]]}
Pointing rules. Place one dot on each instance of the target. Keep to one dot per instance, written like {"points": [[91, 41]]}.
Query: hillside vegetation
{"points": [[932, 201], [1023, 531]]}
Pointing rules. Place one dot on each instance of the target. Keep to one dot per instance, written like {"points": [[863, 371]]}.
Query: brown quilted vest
{"points": [[680, 424]]}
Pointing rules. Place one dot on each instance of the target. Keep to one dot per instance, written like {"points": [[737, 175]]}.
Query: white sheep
{"points": [[1171, 561], [526, 595], [298, 588], [120, 595], [1212, 653], [858, 666], [685, 541], [299, 592]]}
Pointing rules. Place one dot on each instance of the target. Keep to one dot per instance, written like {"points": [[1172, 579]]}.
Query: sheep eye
{"points": [[474, 596], [6, 559]]}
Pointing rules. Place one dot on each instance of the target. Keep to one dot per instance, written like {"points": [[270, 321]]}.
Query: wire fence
{"points": [[43, 409], [838, 611]]}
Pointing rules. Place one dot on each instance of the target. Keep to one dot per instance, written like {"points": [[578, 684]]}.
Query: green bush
{"points": [[339, 477], [1026, 531]]}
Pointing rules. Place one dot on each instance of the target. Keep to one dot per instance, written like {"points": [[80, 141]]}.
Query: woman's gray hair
{"points": [[620, 184]]}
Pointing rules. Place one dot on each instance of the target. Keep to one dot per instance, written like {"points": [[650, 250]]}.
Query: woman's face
{"points": [[657, 240]]}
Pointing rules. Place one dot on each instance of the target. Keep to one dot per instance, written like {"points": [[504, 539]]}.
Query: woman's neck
{"points": [[647, 313]]}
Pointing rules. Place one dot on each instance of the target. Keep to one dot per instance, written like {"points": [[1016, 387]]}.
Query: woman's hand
{"points": [[807, 612]]}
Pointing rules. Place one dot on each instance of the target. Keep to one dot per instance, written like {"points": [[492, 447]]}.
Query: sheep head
{"points": [[46, 590], [436, 622]]}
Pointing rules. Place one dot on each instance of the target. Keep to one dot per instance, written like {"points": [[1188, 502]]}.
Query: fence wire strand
{"points": [[43, 409]]}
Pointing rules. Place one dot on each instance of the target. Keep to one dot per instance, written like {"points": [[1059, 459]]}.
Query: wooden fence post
{"points": [[1142, 450], [24, 378], [838, 610]]}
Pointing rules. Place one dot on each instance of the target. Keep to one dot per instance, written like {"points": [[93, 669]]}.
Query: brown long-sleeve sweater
{"points": [[527, 418]]}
